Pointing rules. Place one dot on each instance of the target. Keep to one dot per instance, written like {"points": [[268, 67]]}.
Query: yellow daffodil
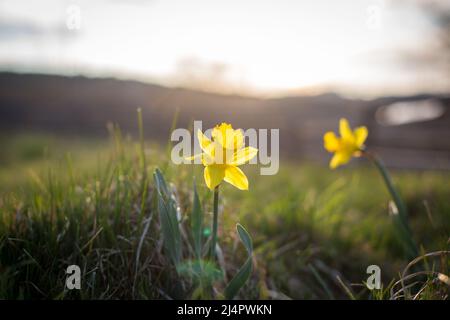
{"points": [[223, 154], [351, 143]]}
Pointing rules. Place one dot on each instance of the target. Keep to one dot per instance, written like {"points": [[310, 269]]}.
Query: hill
{"points": [[83, 106]]}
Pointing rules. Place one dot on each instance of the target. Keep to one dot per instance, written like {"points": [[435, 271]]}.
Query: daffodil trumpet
{"points": [[351, 144], [221, 155]]}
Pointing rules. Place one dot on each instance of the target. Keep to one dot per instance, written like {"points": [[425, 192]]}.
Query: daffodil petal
{"points": [[235, 176], [214, 175], [243, 155], [204, 142], [339, 158], [345, 130], [238, 140], [361, 136], [330, 142], [207, 160]]}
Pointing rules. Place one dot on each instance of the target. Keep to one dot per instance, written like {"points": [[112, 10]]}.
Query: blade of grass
{"points": [[347, 290], [321, 282]]}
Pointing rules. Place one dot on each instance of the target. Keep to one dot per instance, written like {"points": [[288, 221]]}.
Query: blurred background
{"points": [[67, 68], [73, 188]]}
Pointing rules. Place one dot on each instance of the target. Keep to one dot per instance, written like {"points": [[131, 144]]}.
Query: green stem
{"points": [[215, 219], [402, 217]]}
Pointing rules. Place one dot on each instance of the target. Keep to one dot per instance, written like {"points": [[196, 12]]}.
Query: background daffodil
{"points": [[351, 143], [223, 154]]}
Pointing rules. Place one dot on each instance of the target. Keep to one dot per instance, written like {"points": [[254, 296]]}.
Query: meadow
{"points": [[96, 203]]}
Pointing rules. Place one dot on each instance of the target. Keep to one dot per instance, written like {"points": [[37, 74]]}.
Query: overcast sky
{"points": [[256, 46]]}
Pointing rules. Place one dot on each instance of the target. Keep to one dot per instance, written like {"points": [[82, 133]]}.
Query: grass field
{"points": [[94, 203]]}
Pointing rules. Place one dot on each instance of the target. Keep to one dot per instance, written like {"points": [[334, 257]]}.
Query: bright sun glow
{"points": [[254, 46]]}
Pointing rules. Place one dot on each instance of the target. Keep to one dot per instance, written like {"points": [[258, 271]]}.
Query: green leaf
{"points": [[245, 271], [197, 224], [402, 223], [201, 271], [245, 238], [160, 183], [168, 216]]}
